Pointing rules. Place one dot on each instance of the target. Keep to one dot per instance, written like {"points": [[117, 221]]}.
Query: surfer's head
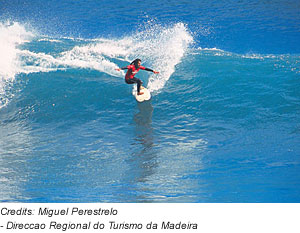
{"points": [[137, 63]]}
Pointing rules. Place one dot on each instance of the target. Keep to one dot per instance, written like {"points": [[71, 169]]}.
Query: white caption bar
{"points": [[121, 217]]}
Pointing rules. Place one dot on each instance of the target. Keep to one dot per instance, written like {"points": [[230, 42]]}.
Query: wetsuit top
{"points": [[132, 70]]}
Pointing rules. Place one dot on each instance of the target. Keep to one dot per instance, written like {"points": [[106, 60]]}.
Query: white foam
{"points": [[93, 56], [50, 40], [11, 36]]}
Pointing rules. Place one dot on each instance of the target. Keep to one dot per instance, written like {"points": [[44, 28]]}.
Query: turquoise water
{"points": [[222, 124]]}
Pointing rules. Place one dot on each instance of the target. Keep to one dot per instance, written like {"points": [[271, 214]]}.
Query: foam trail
{"points": [[93, 57], [96, 55]]}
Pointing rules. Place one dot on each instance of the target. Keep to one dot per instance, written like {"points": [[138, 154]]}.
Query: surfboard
{"points": [[143, 97]]}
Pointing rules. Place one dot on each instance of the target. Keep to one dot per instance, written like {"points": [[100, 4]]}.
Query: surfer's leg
{"points": [[138, 82], [129, 81]]}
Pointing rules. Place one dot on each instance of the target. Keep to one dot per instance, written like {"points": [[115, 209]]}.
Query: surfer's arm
{"points": [[147, 69], [155, 72]]}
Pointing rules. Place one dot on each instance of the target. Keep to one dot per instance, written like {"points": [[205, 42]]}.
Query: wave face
{"points": [[222, 126]]}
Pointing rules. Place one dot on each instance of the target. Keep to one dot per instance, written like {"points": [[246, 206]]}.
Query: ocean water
{"points": [[223, 124]]}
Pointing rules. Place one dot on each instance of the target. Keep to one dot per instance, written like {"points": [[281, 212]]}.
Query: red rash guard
{"points": [[132, 71]]}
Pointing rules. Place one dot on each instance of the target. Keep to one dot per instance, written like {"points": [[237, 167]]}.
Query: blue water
{"points": [[223, 124]]}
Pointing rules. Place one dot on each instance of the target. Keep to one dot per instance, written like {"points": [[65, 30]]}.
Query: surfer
{"points": [[133, 68]]}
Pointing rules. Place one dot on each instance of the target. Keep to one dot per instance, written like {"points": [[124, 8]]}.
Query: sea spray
{"points": [[160, 47], [163, 47]]}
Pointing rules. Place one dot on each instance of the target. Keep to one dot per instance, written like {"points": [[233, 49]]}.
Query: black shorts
{"points": [[135, 80]]}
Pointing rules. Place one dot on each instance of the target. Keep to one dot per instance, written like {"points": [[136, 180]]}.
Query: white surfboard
{"points": [[143, 97]]}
